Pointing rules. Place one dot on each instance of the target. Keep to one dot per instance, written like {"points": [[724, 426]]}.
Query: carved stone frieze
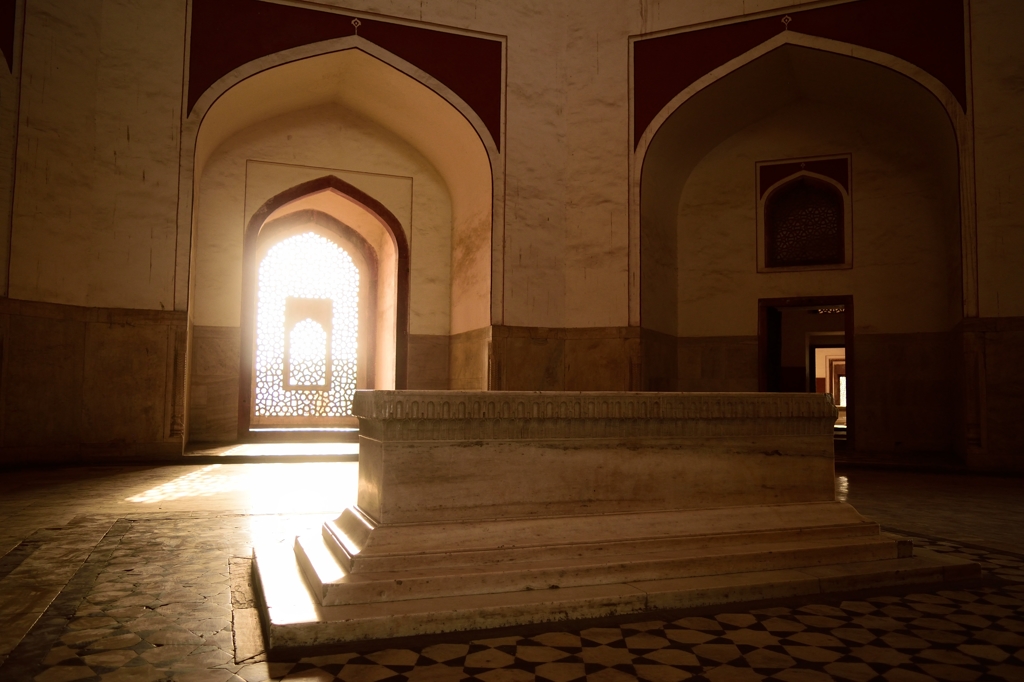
{"points": [[507, 415]]}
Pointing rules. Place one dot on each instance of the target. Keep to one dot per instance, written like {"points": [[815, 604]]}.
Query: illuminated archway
{"points": [[386, 90], [349, 230], [342, 81], [307, 331]]}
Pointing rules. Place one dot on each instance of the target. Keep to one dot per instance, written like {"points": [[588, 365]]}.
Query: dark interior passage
{"points": [[803, 349]]}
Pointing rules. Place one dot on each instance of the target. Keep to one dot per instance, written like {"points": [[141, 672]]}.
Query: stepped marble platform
{"points": [[486, 509]]}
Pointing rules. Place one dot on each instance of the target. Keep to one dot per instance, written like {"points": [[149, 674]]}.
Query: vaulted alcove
{"points": [[352, 141], [705, 215]]}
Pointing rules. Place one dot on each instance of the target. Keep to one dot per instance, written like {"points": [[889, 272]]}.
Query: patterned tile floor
{"points": [[154, 591]]}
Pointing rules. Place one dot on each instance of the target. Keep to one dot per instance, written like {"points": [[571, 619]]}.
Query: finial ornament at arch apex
{"points": [[356, 24], [785, 21]]}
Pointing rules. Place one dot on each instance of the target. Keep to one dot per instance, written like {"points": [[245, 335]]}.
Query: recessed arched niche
{"points": [[718, 235], [699, 203], [350, 148], [311, 332]]}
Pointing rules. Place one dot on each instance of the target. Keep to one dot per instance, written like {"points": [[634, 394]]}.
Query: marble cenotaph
{"points": [[486, 509]]}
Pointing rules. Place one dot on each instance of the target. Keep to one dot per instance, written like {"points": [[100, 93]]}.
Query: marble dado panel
{"points": [[213, 384], [429, 360], [717, 363], [82, 383], [998, 353], [468, 359], [564, 359], [905, 393]]}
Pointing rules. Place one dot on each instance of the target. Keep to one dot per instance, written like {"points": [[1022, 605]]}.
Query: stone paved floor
{"points": [[139, 574]]}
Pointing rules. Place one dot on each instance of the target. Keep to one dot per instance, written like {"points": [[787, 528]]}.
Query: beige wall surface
{"points": [[276, 155], [97, 163], [567, 141], [997, 57], [100, 119], [95, 204], [905, 228]]}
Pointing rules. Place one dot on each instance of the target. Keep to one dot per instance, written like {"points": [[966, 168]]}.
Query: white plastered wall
{"points": [[566, 175], [97, 164], [93, 230]]}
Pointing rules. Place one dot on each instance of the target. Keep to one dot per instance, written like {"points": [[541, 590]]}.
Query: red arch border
{"points": [[226, 34], [926, 33]]}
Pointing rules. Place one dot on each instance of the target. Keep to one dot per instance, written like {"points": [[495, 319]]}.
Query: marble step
{"points": [[362, 546], [298, 624], [335, 586]]}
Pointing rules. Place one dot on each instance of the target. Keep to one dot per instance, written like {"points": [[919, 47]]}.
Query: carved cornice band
{"points": [[508, 415], [387, 405]]}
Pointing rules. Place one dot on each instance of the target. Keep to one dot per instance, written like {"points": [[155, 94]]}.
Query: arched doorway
{"points": [[356, 134], [315, 296], [325, 307]]}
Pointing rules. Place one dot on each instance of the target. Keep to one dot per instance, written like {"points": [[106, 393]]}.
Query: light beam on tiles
{"points": [[300, 488], [285, 500], [306, 488], [202, 483], [306, 266]]}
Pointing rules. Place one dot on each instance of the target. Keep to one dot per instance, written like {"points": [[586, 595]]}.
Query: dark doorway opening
{"points": [[805, 345]]}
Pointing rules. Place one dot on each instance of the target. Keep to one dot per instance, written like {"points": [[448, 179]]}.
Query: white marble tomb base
{"points": [[479, 510]]}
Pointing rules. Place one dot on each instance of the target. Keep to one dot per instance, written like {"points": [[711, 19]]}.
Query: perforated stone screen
{"points": [[306, 266], [803, 222]]}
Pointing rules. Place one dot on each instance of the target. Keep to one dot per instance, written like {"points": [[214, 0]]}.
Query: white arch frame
{"points": [[962, 126], [192, 123]]}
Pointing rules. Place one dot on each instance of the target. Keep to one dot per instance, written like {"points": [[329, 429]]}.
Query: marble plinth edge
{"points": [[296, 623]]}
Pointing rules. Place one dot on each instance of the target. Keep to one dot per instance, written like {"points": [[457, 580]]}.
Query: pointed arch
{"points": [[403, 100], [471, 161], [959, 120], [834, 191], [263, 219]]}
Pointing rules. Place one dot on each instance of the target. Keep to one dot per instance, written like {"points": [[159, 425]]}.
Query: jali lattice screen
{"points": [[803, 222], [306, 266]]}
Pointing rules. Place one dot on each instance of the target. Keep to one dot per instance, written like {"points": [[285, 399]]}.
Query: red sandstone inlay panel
{"points": [[927, 33], [229, 33], [838, 169]]}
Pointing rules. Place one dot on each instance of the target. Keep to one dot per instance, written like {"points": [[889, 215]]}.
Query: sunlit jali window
{"points": [[307, 359], [307, 319]]}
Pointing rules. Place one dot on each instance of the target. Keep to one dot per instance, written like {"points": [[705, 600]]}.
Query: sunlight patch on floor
{"points": [[279, 450], [263, 488]]}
